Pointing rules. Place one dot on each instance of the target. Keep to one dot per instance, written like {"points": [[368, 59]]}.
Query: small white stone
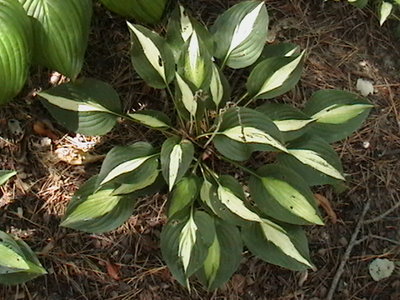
{"points": [[365, 87], [366, 144]]}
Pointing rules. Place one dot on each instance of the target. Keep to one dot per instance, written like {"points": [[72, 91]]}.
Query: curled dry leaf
{"points": [[44, 129], [76, 157], [326, 205], [113, 271]]}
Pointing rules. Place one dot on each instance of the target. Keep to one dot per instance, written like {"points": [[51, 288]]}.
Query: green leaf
{"points": [[290, 121], [151, 56], [325, 169], [385, 11], [224, 255], [61, 30], [219, 87], [142, 178], [18, 263], [185, 241], [5, 175], [186, 95], [97, 211], [282, 194], [122, 160], [280, 50], [275, 76], [337, 114], [143, 10], [359, 3], [15, 45], [195, 64], [151, 118], [183, 194], [87, 106], [176, 157], [282, 245], [243, 131], [240, 34]]}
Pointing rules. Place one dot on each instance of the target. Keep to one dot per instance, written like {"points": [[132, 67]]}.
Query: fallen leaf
{"points": [[326, 205], [76, 157], [365, 87], [44, 129], [113, 271], [381, 268]]}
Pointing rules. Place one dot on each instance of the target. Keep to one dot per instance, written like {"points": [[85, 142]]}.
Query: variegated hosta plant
{"points": [[276, 152]]}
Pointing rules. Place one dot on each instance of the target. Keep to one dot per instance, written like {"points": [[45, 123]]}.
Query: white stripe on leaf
{"points": [[188, 98], [175, 160], [187, 241], [339, 114]]}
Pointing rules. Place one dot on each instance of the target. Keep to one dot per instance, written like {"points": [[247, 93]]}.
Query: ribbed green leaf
{"points": [[15, 49], [183, 194], [18, 263], [151, 56], [279, 50], [151, 118], [275, 76], [186, 95], [176, 157], [282, 194], [224, 255], [337, 114], [87, 106], [5, 175], [143, 10], [61, 30], [260, 133], [240, 33], [280, 244]]}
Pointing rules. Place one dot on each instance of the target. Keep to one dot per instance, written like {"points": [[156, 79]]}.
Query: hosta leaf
{"points": [[61, 30], [219, 87], [151, 56], [245, 130], [186, 95], [183, 194], [121, 161], [5, 175], [151, 118], [143, 10], [15, 46], [290, 121], [185, 241], [176, 157], [145, 176], [195, 64], [18, 263], [275, 76], [87, 106], [359, 3], [280, 50], [240, 33], [282, 245], [385, 11], [282, 194], [337, 114], [97, 211], [326, 168], [224, 255]]}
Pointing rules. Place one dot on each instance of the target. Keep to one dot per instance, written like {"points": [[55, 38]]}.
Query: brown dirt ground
{"points": [[343, 45]]}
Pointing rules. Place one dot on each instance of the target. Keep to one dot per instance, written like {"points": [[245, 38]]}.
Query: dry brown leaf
{"points": [[326, 205], [76, 157], [44, 129], [113, 271]]}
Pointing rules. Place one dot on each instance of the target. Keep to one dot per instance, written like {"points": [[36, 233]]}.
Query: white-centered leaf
{"points": [[381, 268], [174, 164], [278, 236], [386, 10], [291, 125], [148, 120], [186, 25], [314, 160], [151, 51], [188, 98], [280, 76], [187, 240], [213, 261], [79, 106], [216, 87], [291, 199], [194, 65], [365, 87], [339, 114], [12, 260], [244, 28], [236, 205], [250, 135], [125, 167]]}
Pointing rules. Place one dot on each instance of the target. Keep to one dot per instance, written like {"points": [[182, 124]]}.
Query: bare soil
{"points": [[343, 44]]}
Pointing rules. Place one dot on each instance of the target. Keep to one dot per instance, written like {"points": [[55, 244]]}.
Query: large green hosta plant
{"points": [[212, 215]]}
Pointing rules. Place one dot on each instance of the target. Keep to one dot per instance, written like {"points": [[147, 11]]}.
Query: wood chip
{"points": [[326, 205]]}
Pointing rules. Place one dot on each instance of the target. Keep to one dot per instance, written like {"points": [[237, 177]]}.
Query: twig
{"points": [[384, 239], [346, 255], [380, 217]]}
